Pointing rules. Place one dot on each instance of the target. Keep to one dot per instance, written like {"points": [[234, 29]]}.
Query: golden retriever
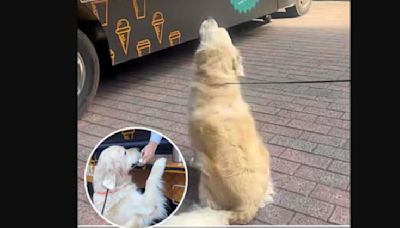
{"points": [[234, 162], [125, 205]]}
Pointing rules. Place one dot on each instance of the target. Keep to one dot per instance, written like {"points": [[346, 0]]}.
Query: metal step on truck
{"points": [[111, 32]]}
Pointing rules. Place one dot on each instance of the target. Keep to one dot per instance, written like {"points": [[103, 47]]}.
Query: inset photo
{"points": [[136, 177]]}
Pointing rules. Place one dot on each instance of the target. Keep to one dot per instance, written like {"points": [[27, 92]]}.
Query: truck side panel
{"points": [[136, 28]]}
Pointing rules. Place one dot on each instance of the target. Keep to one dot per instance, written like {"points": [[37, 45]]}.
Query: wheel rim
{"points": [[303, 4], [81, 73]]}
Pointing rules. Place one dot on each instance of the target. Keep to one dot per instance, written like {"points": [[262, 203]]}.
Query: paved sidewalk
{"points": [[306, 126]]}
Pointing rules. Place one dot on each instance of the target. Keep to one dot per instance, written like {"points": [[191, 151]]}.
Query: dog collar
{"points": [[112, 191]]}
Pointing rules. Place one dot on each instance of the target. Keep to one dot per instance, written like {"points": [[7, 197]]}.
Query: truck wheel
{"points": [[300, 8], [88, 72]]}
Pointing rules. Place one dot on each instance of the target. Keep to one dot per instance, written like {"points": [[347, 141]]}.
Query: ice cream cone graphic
{"points": [[112, 54], [174, 38], [140, 8], [123, 31], [100, 10], [158, 24], [143, 47], [127, 135]]}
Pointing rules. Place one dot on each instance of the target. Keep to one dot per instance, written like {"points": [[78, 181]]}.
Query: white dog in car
{"points": [[118, 198]]}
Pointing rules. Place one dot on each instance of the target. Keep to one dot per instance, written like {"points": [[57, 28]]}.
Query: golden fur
{"points": [[229, 152]]}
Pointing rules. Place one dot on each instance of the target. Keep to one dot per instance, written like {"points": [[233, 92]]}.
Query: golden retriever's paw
{"points": [[268, 199], [160, 163], [157, 170]]}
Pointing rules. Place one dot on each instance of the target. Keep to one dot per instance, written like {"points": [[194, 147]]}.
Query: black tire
{"points": [[300, 8], [88, 87], [266, 19]]}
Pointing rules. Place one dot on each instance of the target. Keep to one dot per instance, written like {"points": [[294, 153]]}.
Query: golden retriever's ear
{"points": [[200, 57], [204, 55], [237, 65], [110, 174], [109, 180]]}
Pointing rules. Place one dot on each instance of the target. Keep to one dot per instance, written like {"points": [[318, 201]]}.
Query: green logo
{"points": [[243, 6]]}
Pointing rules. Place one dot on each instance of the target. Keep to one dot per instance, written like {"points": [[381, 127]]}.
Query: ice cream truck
{"points": [[111, 32]]}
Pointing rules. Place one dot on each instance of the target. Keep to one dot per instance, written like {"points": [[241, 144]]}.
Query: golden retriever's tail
{"points": [[203, 216], [199, 217]]}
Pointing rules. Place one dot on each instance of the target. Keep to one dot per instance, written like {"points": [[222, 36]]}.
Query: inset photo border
{"points": [[135, 177]]}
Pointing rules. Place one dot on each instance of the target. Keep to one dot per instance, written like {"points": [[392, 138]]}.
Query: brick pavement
{"points": [[307, 127]]}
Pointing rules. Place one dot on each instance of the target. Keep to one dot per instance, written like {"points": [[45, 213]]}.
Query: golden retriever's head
{"points": [[113, 166], [217, 51]]}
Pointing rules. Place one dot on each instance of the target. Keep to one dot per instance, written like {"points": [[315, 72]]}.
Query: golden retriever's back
{"points": [[231, 155]]}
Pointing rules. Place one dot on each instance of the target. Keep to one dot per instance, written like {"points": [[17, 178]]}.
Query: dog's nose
{"points": [[211, 22]]}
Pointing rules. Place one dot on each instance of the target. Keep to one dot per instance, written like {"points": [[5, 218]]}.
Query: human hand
{"points": [[148, 151]]}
